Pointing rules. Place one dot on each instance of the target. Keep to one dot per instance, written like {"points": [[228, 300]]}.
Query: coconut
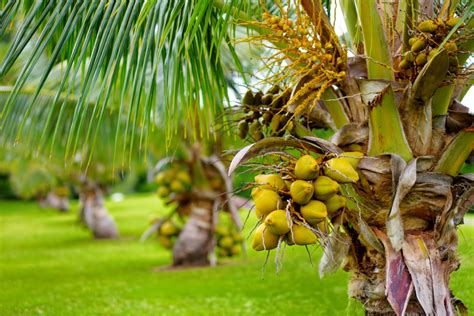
{"points": [[258, 98], [409, 56], [222, 230], [165, 241], [275, 123], [324, 227], [267, 117], [419, 45], [267, 99], [160, 178], [243, 129], [184, 177], [325, 187], [168, 228], [353, 157], [306, 168], [266, 201], [226, 242], [237, 237], [334, 203], [405, 64], [248, 98], [451, 22], [412, 40], [341, 170], [263, 239], [301, 235], [301, 191], [421, 59], [270, 181], [427, 26], [177, 186], [235, 250], [223, 252], [163, 191], [314, 212], [277, 222]]}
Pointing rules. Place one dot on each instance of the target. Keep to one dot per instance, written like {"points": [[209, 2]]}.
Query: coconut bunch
{"points": [[297, 205], [425, 42], [167, 232], [264, 114], [173, 181], [62, 191], [228, 241]]}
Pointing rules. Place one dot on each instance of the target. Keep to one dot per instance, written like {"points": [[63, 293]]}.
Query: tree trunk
{"points": [[193, 245], [409, 272], [94, 214], [55, 201]]}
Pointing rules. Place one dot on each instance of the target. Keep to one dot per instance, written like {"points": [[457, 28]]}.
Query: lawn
{"points": [[51, 266]]}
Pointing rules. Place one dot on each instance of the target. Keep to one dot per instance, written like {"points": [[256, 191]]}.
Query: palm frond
{"points": [[123, 48]]}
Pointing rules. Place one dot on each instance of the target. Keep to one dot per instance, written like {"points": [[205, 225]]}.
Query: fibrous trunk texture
{"points": [[94, 214], [55, 201], [403, 250], [194, 244]]}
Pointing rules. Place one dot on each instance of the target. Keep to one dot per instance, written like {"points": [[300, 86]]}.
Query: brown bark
{"points": [[414, 279], [193, 245], [94, 214], [55, 201]]}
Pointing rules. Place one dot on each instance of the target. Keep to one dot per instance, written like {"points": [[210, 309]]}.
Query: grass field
{"points": [[49, 265]]}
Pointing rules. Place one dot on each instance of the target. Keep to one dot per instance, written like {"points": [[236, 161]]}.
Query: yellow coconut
{"points": [[266, 201], [237, 236], [324, 227], [270, 181], [306, 168], [353, 157], [263, 239], [419, 45], [226, 242], [168, 228], [314, 212], [222, 230], [301, 191], [341, 170], [334, 203], [160, 178], [235, 250], [223, 252], [165, 241], [277, 222], [301, 235], [325, 187], [163, 191], [184, 177], [427, 26], [177, 186]]}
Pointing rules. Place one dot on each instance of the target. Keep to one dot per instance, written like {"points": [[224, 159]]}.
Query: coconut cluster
{"points": [[175, 180], [228, 241], [425, 42], [167, 232], [264, 114], [296, 206]]}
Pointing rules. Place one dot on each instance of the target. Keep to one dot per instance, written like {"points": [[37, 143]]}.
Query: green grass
{"points": [[51, 266]]}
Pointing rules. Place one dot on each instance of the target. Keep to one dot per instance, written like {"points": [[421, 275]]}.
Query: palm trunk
{"points": [[94, 214], [194, 244], [413, 279], [52, 200]]}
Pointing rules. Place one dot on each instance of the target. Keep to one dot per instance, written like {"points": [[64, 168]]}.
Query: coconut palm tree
{"points": [[397, 99]]}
